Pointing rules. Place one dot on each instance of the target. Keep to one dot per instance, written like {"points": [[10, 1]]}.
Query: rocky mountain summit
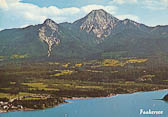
{"points": [[98, 22]]}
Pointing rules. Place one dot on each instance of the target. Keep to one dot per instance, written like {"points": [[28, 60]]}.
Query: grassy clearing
{"points": [[165, 80], [2, 57], [32, 98], [12, 83], [35, 85], [66, 65], [115, 62], [10, 96], [94, 71], [17, 56], [24, 94], [136, 60], [64, 72], [111, 62], [5, 95], [39, 86], [89, 87], [5, 88], [78, 65]]}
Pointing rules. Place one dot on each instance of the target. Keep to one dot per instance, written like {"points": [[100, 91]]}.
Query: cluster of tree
{"points": [[39, 104]]}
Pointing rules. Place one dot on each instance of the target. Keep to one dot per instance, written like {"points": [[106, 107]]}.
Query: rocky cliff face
{"points": [[98, 22], [48, 34]]}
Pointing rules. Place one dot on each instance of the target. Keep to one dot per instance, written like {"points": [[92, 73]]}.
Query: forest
{"points": [[79, 78]]}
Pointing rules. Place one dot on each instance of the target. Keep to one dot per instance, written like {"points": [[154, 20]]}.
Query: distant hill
{"points": [[98, 34]]}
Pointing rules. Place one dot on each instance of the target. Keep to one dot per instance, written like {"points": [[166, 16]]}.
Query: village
{"points": [[7, 105], [18, 104]]}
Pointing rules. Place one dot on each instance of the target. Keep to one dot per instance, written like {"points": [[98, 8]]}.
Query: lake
{"points": [[124, 105]]}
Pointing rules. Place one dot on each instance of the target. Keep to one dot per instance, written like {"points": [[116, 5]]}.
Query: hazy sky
{"points": [[20, 13]]}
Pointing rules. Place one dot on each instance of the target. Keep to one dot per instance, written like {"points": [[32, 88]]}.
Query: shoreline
{"points": [[30, 109], [26, 109], [110, 95], [74, 98]]}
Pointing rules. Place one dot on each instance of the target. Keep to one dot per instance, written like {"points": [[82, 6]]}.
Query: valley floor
{"points": [[39, 85]]}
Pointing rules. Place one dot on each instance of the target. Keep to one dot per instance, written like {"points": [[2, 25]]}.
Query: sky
{"points": [[21, 13]]}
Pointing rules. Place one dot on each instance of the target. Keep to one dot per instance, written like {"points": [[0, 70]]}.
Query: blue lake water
{"points": [[125, 105]]}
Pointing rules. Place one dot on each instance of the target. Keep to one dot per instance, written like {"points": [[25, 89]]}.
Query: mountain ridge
{"points": [[93, 35], [85, 16]]}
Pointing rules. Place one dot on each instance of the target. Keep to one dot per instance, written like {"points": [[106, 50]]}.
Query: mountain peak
{"points": [[98, 11], [49, 22], [101, 14], [128, 22], [99, 22]]}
